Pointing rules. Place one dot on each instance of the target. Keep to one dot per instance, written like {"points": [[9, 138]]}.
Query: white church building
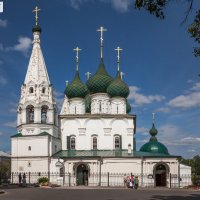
{"points": [[92, 141]]}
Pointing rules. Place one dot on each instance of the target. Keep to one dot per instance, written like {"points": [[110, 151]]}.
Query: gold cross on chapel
{"points": [[101, 30], [77, 50], [36, 10], [118, 49], [153, 117]]}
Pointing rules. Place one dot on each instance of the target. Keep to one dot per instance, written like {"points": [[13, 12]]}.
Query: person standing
{"points": [[20, 178], [136, 182], [24, 180]]}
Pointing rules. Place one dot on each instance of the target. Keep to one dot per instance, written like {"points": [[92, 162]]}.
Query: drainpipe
{"points": [[142, 161]]}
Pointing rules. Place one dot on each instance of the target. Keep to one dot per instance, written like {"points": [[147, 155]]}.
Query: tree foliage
{"points": [[195, 164]]}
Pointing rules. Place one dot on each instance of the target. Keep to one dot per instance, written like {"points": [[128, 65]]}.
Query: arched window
{"points": [[117, 142], [43, 90], [30, 114], [94, 143], [31, 90], [44, 114], [117, 109], [29, 148], [72, 143], [75, 109]]}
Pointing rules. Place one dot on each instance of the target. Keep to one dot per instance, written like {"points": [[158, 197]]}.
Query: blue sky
{"points": [[157, 59]]}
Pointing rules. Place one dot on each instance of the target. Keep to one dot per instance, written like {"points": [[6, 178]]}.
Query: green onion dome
{"points": [[128, 107], [76, 88], [99, 82], [153, 146], [88, 104], [118, 88], [36, 28]]}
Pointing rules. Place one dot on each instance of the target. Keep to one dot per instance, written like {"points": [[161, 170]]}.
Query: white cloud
{"points": [[120, 6], [3, 81], [191, 150], [186, 101], [140, 99], [77, 3], [191, 140], [196, 87], [23, 46], [3, 23], [189, 100], [11, 124], [163, 110], [142, 130]]}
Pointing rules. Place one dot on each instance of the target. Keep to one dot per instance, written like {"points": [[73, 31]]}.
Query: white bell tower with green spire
{"points": [[37, 135]]}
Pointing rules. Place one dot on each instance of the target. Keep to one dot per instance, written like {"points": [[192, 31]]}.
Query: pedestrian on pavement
{"points": [[20, 179], [24, 180], [136, 183]]}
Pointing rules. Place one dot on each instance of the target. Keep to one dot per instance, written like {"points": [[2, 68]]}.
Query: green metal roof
{"points": [[100, 81], [76, 88], [20, 135], [118, 88], [73, 154]]}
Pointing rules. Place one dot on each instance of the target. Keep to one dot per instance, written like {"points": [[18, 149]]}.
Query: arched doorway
{"points": [[160, 173], [82, 175]]}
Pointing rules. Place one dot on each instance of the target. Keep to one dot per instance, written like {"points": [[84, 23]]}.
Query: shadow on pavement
{"points": [[190, 197]]}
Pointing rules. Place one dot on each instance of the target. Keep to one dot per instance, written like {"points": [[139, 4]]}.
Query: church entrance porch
{"points": [[160, 176], [82, 175]]}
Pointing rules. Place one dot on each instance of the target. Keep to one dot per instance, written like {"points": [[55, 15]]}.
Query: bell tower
{"points": [[37, 137]]}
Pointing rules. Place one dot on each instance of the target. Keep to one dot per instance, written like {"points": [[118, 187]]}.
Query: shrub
{"points": [[43, 180]]}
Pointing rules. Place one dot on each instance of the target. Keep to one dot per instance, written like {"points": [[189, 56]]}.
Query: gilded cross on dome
{"points": [[153, 117], [118, 49], [36, 10], [77, 50], [101, 30]]}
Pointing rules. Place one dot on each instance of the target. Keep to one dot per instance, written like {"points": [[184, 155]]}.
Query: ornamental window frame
{"points": [[30, 114], [44, 111]]}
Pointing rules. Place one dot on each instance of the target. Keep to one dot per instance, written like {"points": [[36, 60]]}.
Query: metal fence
{"points": [[97, 179]]}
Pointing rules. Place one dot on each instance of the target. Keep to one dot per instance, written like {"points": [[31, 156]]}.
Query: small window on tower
{"points": [[43, 90], [55, 148], [29, 164], [31, 90], [29, 148]]}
